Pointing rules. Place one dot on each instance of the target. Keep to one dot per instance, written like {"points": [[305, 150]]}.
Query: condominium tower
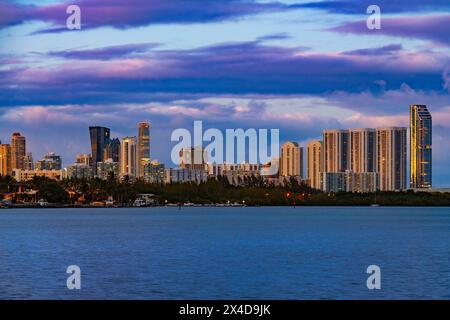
{"points": [[391, 158], [314, 162], [362, 150], [420, 147], [291, 161], [128, 157], [335, 149], [143, 147], [18, 151]]}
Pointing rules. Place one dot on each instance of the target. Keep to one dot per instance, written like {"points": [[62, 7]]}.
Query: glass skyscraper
{"points": [[420, 147], [100, 138]]}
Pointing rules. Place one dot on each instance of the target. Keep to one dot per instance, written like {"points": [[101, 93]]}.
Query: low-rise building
{"points": [[27, 175], [78, 171]]}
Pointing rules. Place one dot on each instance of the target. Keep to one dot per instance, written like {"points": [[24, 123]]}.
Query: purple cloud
{"points": [[105, 53], [431, 28], [384, 50], [134, 13], [231, 68], [387, 6]]}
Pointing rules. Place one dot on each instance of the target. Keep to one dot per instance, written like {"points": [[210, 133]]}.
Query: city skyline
{"points": [[354, 159], [296, 65]]}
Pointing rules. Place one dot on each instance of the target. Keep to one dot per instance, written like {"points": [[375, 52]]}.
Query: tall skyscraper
{"points": [[112, 150], [128, 157], [335, 149], [18, 151], [100, 138], [5, 160], [143, 147], [362, 150], [314, 162], [291, 160], [391, 158], [420, 147]]}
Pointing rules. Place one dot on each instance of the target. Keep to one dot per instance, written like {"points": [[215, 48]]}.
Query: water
{"points": [[225, 253]]}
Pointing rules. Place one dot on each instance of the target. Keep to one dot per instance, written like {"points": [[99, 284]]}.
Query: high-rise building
{"points": [[391, 158], [85, 159], [128, 157], [28, 161], [18, 151], [335, 149], [362, 150], [291, 160], [143, 147], [420, 147], [314, 163], [100, 138], [51, 161], [112, 150], [5, 160]]}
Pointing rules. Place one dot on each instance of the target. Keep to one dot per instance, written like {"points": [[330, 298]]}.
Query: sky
{"points": [[300, 66]]}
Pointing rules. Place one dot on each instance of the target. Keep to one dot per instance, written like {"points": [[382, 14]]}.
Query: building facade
{"points": [[18, 151], [5, 160], [291, 160], [335, 149], [362, 150], [143, 147], [51, 161], [314, 163], [27, 175], [100, 138], [128, 157], [420, 147], [391, 158]]}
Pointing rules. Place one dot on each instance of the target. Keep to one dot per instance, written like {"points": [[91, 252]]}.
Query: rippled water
{"points": [[225, 253]]}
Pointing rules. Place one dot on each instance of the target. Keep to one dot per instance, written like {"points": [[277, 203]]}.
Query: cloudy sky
{"points": [[300, 66]]}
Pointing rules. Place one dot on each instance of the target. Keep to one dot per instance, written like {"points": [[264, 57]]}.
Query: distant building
{"points": [[391, 158], [112, 150], [154, 172], [108, 169], [335, 150], [291, 160], [100, 138], [314, 163], [333, 182], [27, 175], [128, 157], [78, 171], [236, 174], [362, 182], [85, 159], [51, 161], [193, 158], [28, 161], [18, 151], [143, 149], [184, 175], [5, 160], [420, 147]]}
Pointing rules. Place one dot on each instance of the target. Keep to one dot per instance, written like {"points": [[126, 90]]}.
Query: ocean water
{"points": [[225, 253]]}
